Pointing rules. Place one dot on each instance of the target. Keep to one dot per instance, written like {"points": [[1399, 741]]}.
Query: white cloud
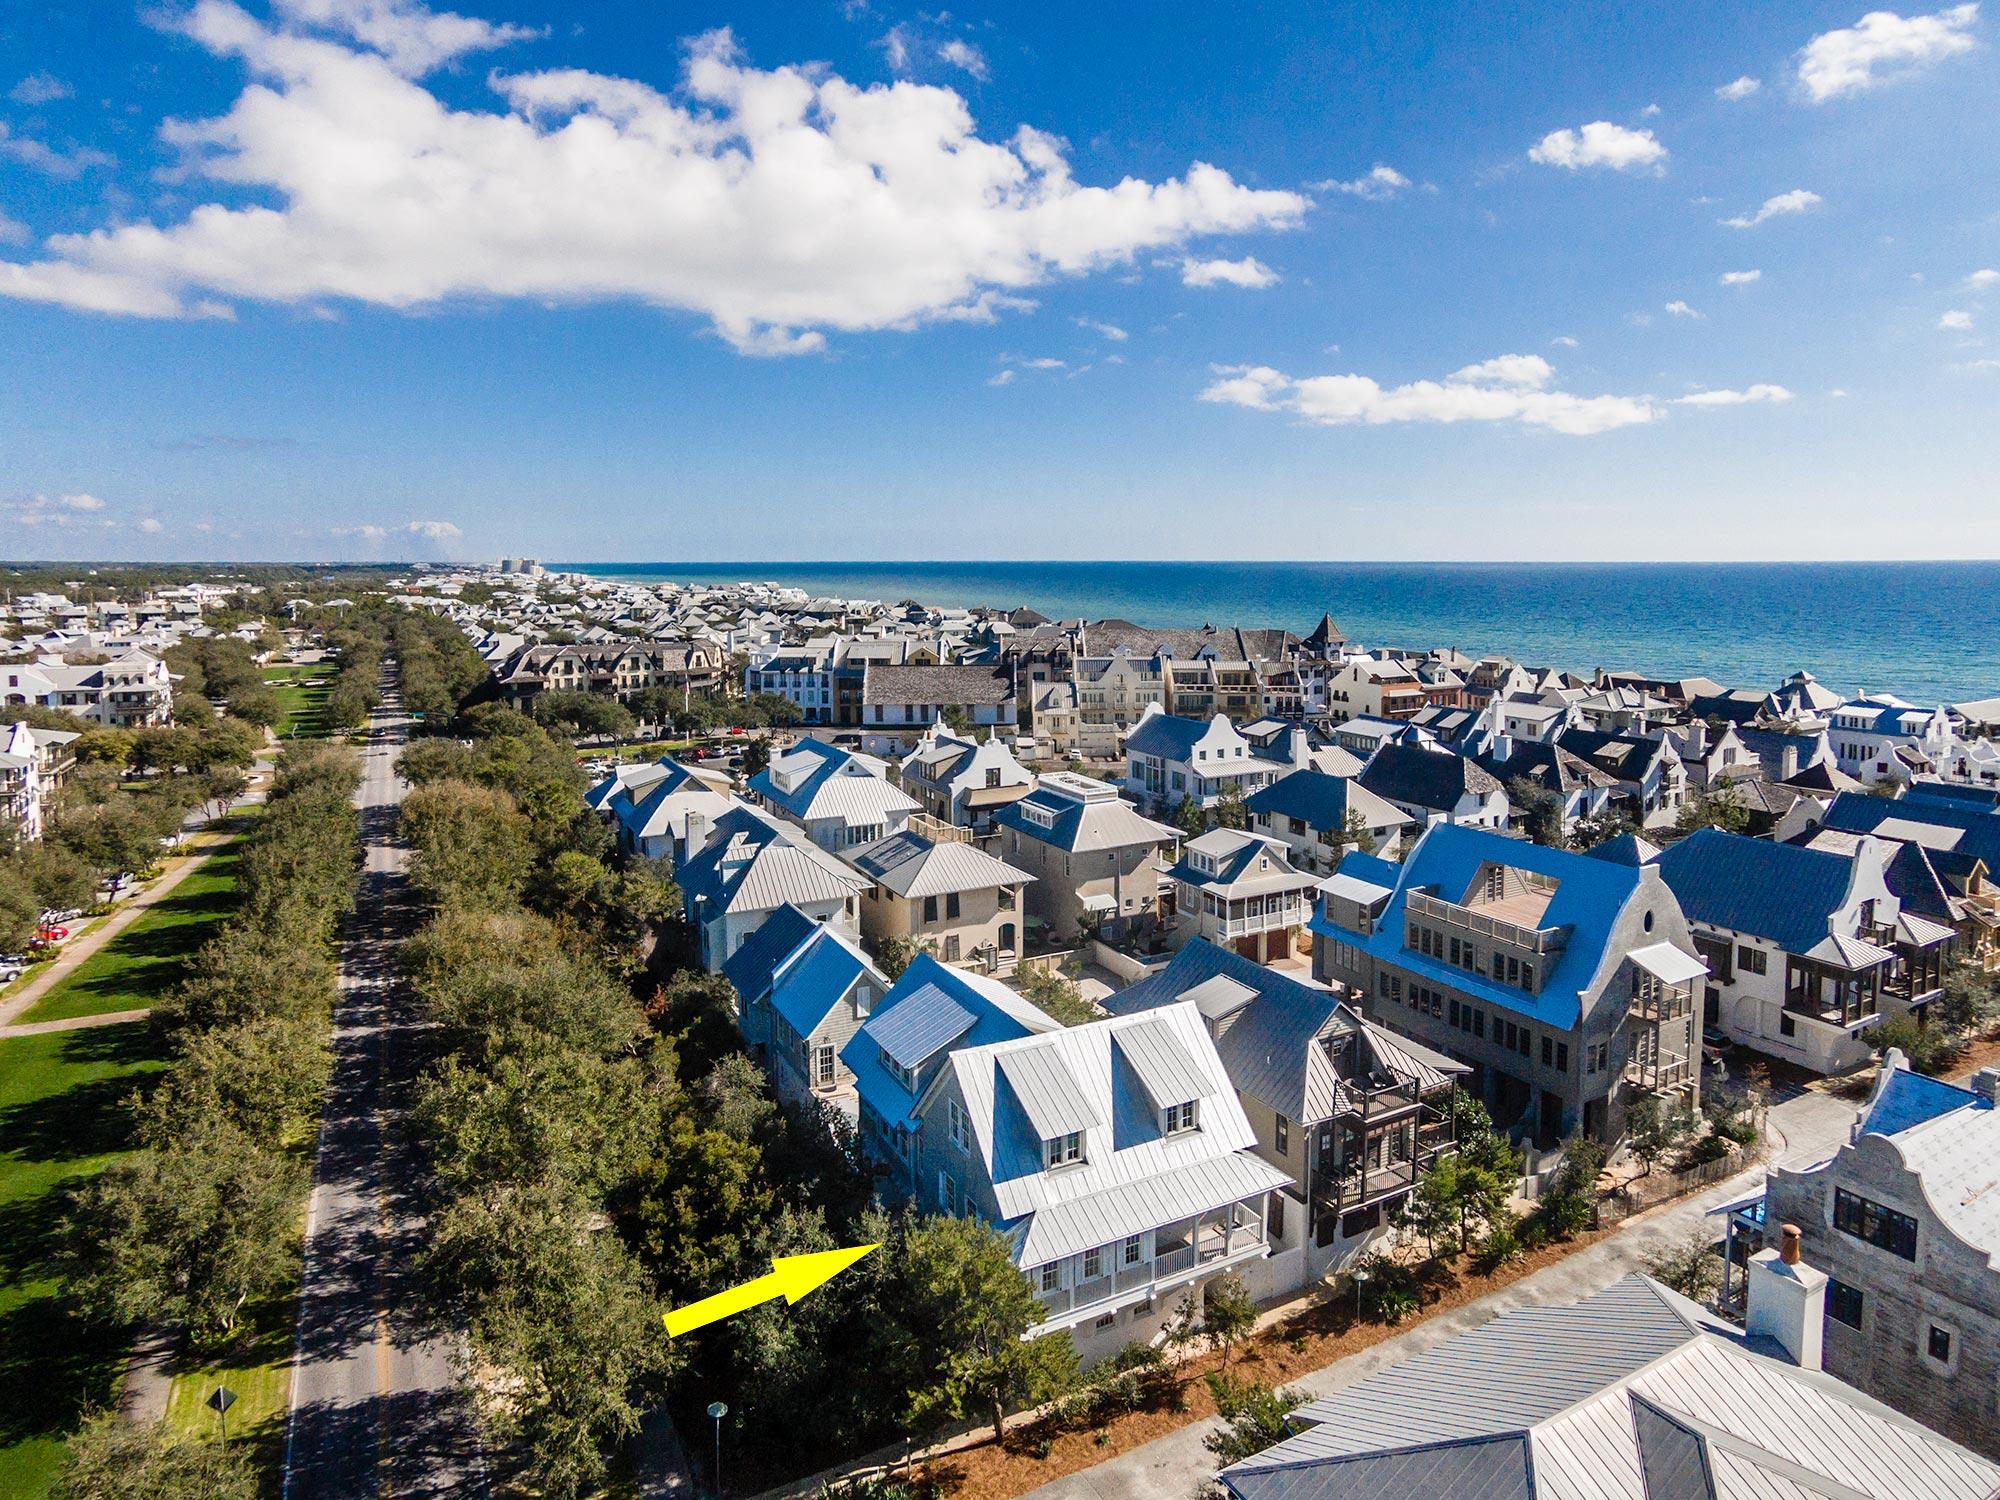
{"points": [[895, 45], [39, 88], [1510, 388], [1680, 309], [1599, 144], [13, 231], [367, 533], [1742, 88], [81, 502], [1650, 112], [779, 204], [1045, 362], [1958, 320], [1846, 61], [151, 526], [1110, 331], [51, 161], [1004, 377], [1563, 341], [1375, 185], [1747, 396], [1980, 281], [962, 54], [1740, 278], [1797, 201], [412, 39], [64, 512], [433, 531], [1248, 272]]}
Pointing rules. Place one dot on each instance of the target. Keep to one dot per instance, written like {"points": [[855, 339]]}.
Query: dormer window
{"points": [[905, 1077], [1180, 1117], [1063, 1150]]}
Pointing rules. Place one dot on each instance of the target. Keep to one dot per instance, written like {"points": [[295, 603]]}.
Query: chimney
{"points": [[1986, 1084], [1787, 1300], [1297, 748], [695, 837]]}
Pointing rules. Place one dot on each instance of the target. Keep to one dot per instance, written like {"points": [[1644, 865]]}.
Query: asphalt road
{"points": [[375, 1408]]}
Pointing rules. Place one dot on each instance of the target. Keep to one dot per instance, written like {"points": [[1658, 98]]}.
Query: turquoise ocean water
{"points": [[1928, 631]]}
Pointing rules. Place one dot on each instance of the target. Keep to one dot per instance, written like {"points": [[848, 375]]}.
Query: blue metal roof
{"points": [[750, 967], [1782, 892], [1979, 827], [1167, 736], [1371, 867], [1316, 798], [1589, 895], [1909, 1098], [815, 981], [935, 998]]}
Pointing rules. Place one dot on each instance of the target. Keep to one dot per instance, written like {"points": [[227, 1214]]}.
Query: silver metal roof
{"points": [[1170, 1076], [919, 1026], [1048, 1091]]}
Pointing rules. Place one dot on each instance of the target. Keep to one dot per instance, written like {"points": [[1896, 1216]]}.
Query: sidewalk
{"points": [[194, 854], [1173, 1467]]}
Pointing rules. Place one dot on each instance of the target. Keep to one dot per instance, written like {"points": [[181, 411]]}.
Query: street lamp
{"points": [[1360, 1280], [717, 1411]]}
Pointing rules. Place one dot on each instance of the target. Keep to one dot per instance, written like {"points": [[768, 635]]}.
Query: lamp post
{"points": [[717, 1411], [1360, 1280]]}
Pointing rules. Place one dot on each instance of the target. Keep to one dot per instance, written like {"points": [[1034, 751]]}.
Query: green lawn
{"points": [[302, 688], [259, 1371], [143, 961], [61, 1119]]}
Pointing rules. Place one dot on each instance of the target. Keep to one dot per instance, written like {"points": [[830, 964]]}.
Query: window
{"points": [[1180, 1117], [823, 1066], [1107, 1320], [1063, 1149], [1052, 1276], [1752, 960], [1787, 1026], [1548, 1053], [959, 1127], [1093, 1263], [1938, 1344], [1843, 1303], [951, 906], [1132, 1251], [1284, 1140], [1880, 1226], [930, 908], [1562, 1057]]}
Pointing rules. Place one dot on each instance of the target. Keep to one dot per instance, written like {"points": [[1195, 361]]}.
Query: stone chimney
{"points": [[1297, 746], [1986, 1084], [1787, 1300], [697, 835]]}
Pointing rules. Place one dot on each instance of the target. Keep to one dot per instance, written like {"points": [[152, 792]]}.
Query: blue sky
{"points": [[351, 278]]}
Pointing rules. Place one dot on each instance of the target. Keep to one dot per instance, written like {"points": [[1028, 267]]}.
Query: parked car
{"points": [[1715, 1044]]}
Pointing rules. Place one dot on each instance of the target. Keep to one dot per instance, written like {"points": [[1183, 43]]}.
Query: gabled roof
{"points": [[750, 967], [752, 862], [913, 867], [1321, 801], [1437, 780], [1549, 766], [1234, 855], [931, 1007], [1904, 1098], [1169, 736], [1588, 897], [1272, 1051], [817, 975], [1781, 892], [1133, 1175], [1082, 824], [1632, 1394], [1934, 822], [814, 780]]}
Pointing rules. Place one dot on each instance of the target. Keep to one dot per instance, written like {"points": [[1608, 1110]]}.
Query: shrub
{"points": [[1254, 1417]]}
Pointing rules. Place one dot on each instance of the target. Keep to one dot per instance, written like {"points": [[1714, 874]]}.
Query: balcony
{"points": [[1665, 1074], [1666, 1004], [1537, 940], [1270, 921], [1210, 1242]]}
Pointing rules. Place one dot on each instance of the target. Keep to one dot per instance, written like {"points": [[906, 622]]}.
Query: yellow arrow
{"points": [[792, 1276]]}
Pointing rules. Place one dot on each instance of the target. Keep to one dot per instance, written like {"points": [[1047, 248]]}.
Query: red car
{"points": [[48, 937]]}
